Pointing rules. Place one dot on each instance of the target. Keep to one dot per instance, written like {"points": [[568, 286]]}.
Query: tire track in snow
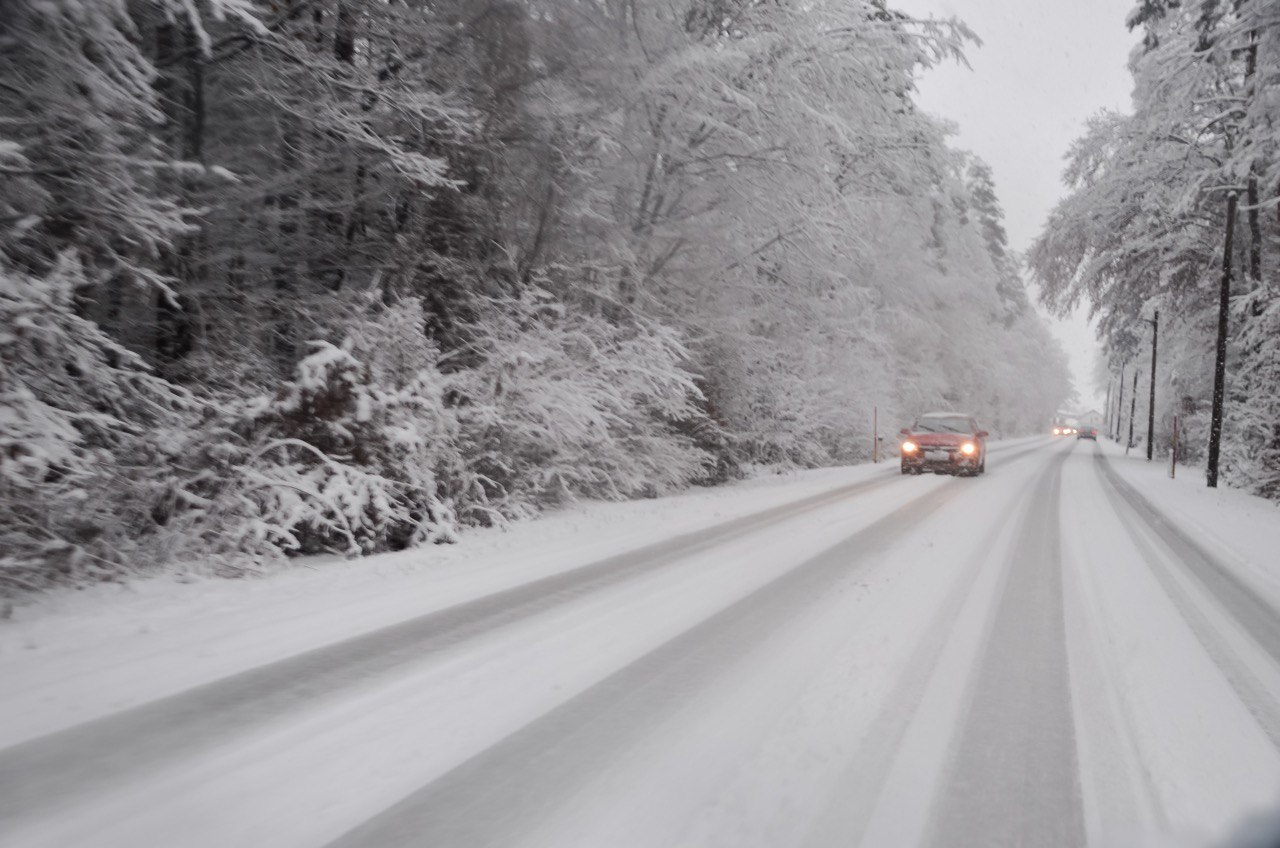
{"points": [[1014, 777], [1119, 790], [1254, 614], [34, 774], [856, 794], [1258, 623], [507, 790]]}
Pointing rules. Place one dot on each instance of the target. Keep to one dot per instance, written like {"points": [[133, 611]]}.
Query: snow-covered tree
{"points": [[1144, 227], [326, 275]]}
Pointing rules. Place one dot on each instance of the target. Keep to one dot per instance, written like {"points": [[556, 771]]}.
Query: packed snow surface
{"points": [[1072, 649]]}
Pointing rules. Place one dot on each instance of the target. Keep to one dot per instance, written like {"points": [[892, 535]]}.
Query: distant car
{"points": [[1087, 433], [944, 443]]}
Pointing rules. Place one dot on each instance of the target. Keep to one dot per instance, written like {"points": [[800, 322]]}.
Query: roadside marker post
{"points": [[1173, 452]]}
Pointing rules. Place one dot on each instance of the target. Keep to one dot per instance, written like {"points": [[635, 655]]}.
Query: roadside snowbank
{"points": [[1242, 527]]}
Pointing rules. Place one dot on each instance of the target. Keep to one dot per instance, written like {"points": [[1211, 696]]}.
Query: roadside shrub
{"points": [[564, 404], [83, 426], [344, 457]]}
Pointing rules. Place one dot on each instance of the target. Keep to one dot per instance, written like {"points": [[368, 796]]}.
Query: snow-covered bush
{"points": [[563, 403], [343, 457], [371, 447], [82, 427]]}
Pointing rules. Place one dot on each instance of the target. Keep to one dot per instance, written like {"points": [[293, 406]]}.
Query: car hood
{"points": [[939, 440]]}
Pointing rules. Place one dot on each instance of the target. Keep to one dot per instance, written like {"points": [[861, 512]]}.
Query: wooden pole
{"points": [[875, 434]]}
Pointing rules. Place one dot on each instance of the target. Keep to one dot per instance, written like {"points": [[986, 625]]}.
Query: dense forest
{"points": [[1175, 209], [330, 275]]}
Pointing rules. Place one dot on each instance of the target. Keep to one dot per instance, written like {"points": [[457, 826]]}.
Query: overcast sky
{"points": [[1043, 68]]}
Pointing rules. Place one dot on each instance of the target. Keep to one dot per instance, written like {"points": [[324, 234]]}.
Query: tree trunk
{"points": [[1251, 193], [344, 33], [174, 332], [284, 273]]}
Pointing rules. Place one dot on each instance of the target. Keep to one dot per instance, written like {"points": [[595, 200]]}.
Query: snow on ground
{"points": [[386, 737], [1156, 708], [1016, 659], [73, 655]]}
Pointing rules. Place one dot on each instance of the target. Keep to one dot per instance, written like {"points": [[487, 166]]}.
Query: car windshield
{"points": [[943, 424]]}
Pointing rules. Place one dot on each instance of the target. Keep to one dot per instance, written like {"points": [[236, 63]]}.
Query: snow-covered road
{"points": [[1047, 655]]}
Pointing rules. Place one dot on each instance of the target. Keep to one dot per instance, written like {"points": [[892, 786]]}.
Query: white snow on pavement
{"points": [[839, 726]]}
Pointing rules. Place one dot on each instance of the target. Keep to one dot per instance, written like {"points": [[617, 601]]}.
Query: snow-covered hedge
{"points": [[83, 425]]}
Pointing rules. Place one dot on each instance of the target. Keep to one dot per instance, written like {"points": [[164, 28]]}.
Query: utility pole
{"points": [[1220, 361], [1115, 434], [1151, 402], [1133, 404]]}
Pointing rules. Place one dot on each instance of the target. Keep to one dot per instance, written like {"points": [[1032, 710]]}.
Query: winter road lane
{"points": [[1014, 778], [504, 792], [1035, 657], [51, 772], [1171, 695], [49, 769]]}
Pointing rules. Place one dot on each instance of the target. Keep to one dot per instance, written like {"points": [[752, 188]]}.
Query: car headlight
{"points": [[1057, 431], [908, 447], [968, 448]]}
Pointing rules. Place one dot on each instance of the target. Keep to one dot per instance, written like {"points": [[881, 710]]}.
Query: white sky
{"points": [[1044, 67]]}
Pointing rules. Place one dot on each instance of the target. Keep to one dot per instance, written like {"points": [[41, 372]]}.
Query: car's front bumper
{"points": [[940, 460]]}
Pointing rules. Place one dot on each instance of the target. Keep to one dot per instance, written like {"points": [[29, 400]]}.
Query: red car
{"points": [[945, 443]]}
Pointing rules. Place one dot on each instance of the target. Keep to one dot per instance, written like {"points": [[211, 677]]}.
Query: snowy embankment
{"points": [[1240, 528]]}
